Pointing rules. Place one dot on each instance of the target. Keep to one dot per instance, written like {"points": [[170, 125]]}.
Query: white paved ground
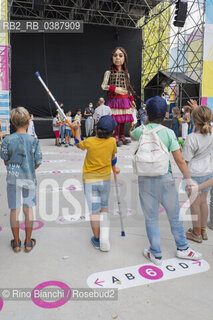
{"points": [[63, 252]]}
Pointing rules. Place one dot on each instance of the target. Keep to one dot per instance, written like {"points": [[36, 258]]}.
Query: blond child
{"points": [[22, 155]]}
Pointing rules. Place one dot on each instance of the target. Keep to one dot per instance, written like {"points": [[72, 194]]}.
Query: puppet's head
{"points": [[119, 57]]}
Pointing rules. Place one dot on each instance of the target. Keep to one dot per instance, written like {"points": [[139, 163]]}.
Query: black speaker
{"points": [[180, 13], [38, 5]]}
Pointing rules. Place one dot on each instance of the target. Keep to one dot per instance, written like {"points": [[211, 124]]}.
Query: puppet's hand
{"points": [[121, 91]]}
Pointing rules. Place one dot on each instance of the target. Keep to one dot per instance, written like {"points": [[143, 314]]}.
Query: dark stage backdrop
{"points": [[72, 65]]}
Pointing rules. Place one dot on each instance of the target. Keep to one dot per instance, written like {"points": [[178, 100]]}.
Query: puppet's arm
{"points": [[105, 82]]}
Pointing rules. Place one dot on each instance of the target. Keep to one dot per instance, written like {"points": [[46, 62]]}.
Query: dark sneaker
{"points": [[96, 243]]}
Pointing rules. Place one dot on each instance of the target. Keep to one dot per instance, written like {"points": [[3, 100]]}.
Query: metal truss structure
{"points": [[165, 47], [100, 12], [170, 49]]}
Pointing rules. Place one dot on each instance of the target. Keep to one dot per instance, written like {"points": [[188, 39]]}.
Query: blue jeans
{"points": [[68, 132], [61, 133], [153, 192], [202, 179], [14, 197], [97, 195]]}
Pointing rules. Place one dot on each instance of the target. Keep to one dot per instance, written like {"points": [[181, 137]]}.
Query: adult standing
{"points": [[89, 123], [120, 99], [101, 110]]}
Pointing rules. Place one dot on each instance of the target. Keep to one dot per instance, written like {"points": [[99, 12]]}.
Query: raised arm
{"points": [[193, 104]]}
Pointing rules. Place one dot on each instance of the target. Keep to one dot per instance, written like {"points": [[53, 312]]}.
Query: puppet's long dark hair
{"points": [[124, 66]]}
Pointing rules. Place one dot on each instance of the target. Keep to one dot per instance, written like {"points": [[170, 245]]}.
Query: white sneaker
{"points": [[147, 254], [104, 245], [104, 232], [104, 239], [189, 254]]}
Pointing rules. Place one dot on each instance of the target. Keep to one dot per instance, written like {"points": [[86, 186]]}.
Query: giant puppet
{"points": [[120, 93]]}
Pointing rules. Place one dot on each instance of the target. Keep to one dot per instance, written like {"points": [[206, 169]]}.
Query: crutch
{"points": [[119, 202]]}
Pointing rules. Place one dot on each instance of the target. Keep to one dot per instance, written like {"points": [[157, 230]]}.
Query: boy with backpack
{"points": [[156, 183]]}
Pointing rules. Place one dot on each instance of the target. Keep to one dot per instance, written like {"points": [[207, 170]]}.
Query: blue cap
{"points": [[156, 106], [107, 123]]}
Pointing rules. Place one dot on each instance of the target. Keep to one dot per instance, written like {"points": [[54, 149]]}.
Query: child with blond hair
{"points": [[22, 155]]}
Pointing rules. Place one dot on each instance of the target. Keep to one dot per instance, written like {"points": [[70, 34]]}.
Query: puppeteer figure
{"points": [[120, 99]]}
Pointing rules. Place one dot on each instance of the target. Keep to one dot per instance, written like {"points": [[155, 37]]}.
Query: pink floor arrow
{"points": [[98, 282], [197, 262]]}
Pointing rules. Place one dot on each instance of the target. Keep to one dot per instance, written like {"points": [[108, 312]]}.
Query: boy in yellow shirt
{"points": [[97, 167]]}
